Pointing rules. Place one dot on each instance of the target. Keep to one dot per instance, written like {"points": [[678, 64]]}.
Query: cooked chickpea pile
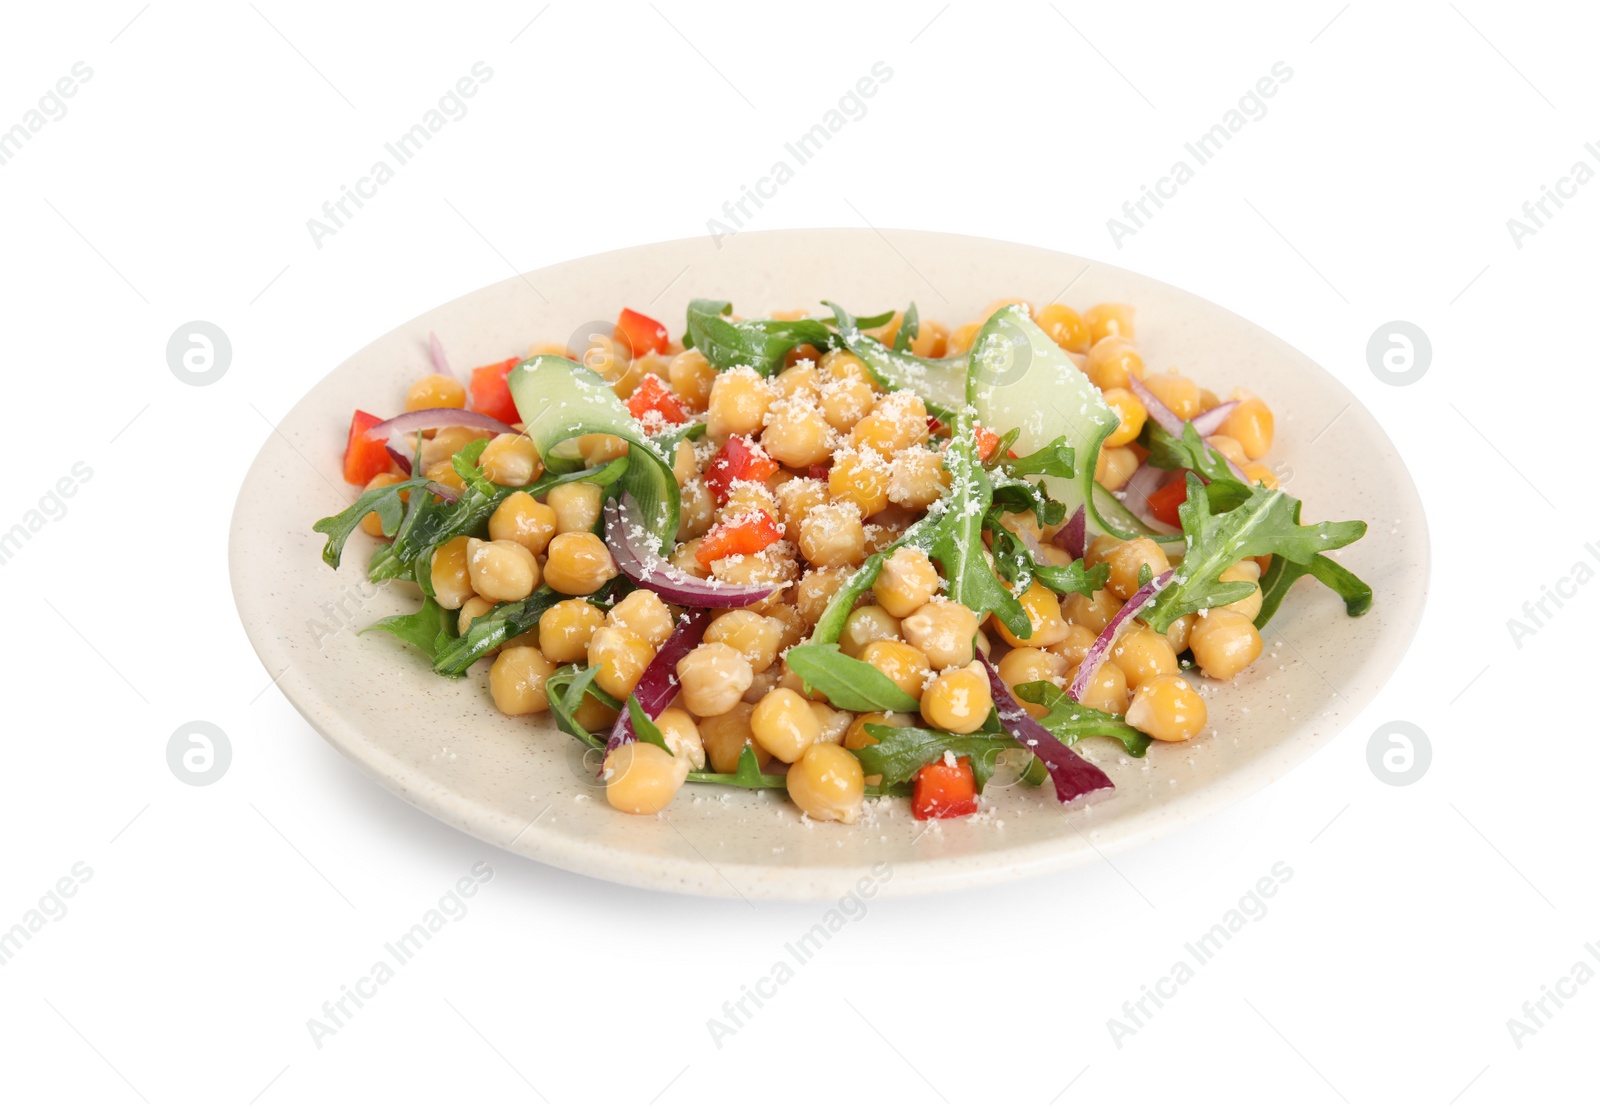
{"points": [[855, 466]]}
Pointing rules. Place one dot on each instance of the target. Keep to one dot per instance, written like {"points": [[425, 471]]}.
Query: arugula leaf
{"points": [[958, 542], [1017, 564], [940, 382], [422, 629], [386, 502], [1069, 721], [759, 344], [865, 322], [1016, 495], [1268, 522], [847, 683], [566, 689], [643, 727], [500, 623], [909, 326], [1281, 574], [747, 775], [1191, 452], [1055, 459], [830, 625], [901, 752]]}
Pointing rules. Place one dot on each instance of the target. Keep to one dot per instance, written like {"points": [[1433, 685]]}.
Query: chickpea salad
{"points": [[836, 556]]}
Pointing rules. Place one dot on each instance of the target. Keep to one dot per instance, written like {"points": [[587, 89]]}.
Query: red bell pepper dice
{"points": [[490, 393], [743, 535], [364, 457], [640, 332], [940, 791]]}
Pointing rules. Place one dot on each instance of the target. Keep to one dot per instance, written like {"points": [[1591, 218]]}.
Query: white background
{"points": [[219, 920]]}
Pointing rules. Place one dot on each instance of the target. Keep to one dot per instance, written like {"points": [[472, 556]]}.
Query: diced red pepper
{"points": [[940, 791], [490, 394], [652, 395], [987, 442], [738, 460], [640, 332], [364, 457], [1164, 502], [819, 470], [742, 535]]}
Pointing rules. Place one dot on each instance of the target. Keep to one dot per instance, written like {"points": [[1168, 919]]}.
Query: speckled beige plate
{"points": [[519, 783]]}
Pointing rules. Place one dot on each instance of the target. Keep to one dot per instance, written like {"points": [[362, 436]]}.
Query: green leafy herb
{"points": [[1017, 564], [1268, 522], [500, 623], [1281, 574], [848, 683], [958, 542], [830, 625], [386, 502], [424, 629], [759, 344], [747, 775], [566, 689], [901, 752], [1069, 721], [909, 326], [644, 729], [940, 382], [1191, 452], [1055, 459]]}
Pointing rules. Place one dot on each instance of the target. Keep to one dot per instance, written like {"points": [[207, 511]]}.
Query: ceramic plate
{"points": [[519, 783]]}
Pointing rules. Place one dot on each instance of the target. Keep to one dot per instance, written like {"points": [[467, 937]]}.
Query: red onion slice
{"points": [[444, 492], [659, 684], [1106, 639], [1211, 419], [1073, 775], [1145, 481], [430, 419], [1158, 411], [441, 364], [1072, 537], [628, 541], [400, 460]]}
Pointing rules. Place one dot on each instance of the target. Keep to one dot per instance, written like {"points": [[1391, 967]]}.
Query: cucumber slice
{"points": [[559, 400], [940, 382], [1021, 379]]}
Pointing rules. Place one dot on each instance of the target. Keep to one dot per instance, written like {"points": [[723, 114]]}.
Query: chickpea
{"points": [[901, 663], [898, 421], [1248, 570], [696, 510], [739, 401], [1093, 612], [685, 464], [521, 519], [444, 473], [566, 629], [832, 723], [435, 391], [857, 737], [931, 340], [1109, 319], [450, 578], [1177, 633], [642, 779], [501, 570], [796, 433], [516, 681], [796, 497], [685, 559], [1229, 448], [798, 380], [1111, 361], [1168, 709], [1128, 559], [1260, 475], [725, 737], [746, 497], [643, 612], [445, 443], [370, 523], [714, 678], [1177, 392], [576, 505], [1064, 326], [961, 338], [621, 656], [578, 563], [958, 700], [906, 581], [1224, 643], [773, 566], [1142, 654], [1251, 424], [792, 627], [510, 460], [1115, 466], [1030, 664], [831, 536], [943, 631], [865, 626], [845, 401], [690, 376], [916, 478], [754, 636], [1108, 688], [827, 784], [861, 478], [1076, 645], [682, 736], [597, 449], [784, 724], [815, 589], [1044, 612], [1131, 415], [594, 715], [841, 365], [1098, 549]]}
